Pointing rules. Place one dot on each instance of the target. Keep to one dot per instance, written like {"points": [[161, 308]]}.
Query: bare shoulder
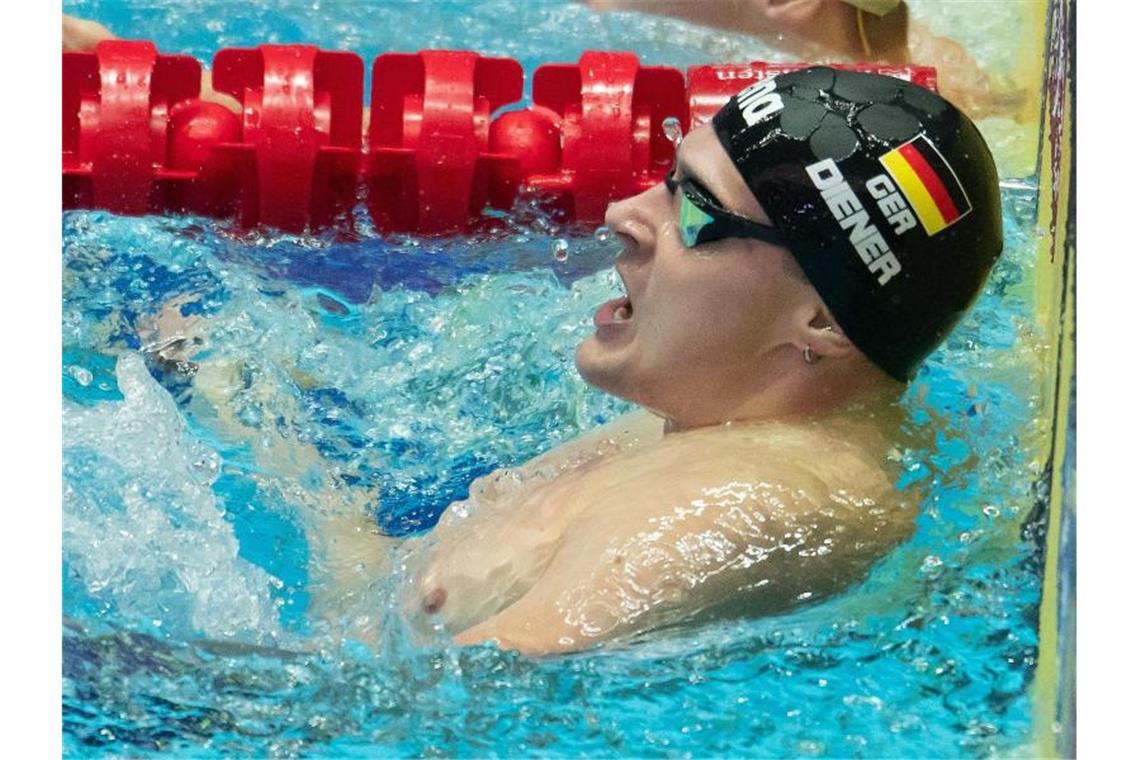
{"points": [[707, 524], [764, 516], [782, 469], [799, 509]]}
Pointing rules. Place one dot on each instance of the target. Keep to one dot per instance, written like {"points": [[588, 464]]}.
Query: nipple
{"points": [[433, 602]]}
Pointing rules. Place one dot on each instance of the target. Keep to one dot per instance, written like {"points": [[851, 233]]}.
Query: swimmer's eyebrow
{"points": [[682, 170]]}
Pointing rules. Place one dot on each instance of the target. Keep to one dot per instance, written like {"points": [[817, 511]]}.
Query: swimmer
{"points": [[874, 31], [82, 35], [812, 244]]}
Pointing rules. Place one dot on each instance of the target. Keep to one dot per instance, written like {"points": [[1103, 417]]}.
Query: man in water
{"points": [[811, 246], [873, 31]]}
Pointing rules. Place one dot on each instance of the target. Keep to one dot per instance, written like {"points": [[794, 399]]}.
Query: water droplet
{"points": [[991, 511], [671, 126], [603, 234], [561, 249]]}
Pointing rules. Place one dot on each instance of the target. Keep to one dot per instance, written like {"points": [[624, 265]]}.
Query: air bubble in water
{"points": [[250, 415], [603, 234], [561, 249], [81, 375], [671, 126], [931, 564]]}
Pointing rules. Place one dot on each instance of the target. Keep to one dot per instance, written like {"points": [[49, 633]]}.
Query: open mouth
{"points": [[623, 312], [614, 312]]}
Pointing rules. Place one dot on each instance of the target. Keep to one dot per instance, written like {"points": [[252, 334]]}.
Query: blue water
{"points": [[410, 366]]}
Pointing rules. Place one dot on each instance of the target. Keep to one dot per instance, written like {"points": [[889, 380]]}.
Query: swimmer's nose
{"points": [[631, 219]]}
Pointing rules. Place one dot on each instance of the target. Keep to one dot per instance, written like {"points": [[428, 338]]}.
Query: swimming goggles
{"points": [[702, 219]]}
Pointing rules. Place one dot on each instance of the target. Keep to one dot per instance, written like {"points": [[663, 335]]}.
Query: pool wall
{"points": [[1055, 684]]}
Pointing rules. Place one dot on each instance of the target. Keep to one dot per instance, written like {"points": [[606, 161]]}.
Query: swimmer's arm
{"points": [[808, 27], [347, 551], [81, 35]]}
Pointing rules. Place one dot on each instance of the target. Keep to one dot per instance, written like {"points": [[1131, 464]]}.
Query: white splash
{"points": [[142, 528]]}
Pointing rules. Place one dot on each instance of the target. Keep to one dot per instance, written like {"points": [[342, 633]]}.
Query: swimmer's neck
{"points": [[873, 403]]}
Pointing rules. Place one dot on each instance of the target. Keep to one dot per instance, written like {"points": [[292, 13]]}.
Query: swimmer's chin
{"points": [[605, 374], [591, 368]]}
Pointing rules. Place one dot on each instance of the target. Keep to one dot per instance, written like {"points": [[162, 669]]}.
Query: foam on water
{"points": [[143, 531]]}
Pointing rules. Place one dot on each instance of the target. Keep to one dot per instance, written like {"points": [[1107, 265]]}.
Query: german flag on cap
{"points": [[928, 183]]}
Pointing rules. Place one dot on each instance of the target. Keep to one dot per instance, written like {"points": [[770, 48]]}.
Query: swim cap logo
{"points": [[928, 182], [848, 210], [759, 101]]}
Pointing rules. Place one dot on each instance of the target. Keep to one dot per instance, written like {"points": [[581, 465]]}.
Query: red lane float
{"points": [[137, 139], [611, 108], [300, 149], [117, 104], [429, 157]]}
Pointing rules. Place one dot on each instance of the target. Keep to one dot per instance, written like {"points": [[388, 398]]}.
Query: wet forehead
{"points": [[702, 157]]}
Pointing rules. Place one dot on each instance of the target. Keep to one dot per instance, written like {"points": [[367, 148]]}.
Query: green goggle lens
{"points": [[691, 221], [702, 219]]}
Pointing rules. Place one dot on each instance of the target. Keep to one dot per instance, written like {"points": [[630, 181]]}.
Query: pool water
{"points": [[406, 367]]}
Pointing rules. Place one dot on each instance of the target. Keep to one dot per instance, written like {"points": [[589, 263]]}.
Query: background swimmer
{"points": [[876, 31], [768, 357]]}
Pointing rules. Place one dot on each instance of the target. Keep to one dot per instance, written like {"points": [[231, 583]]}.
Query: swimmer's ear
{"points": [[824, 335]]}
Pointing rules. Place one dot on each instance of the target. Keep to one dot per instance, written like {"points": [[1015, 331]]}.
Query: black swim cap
{"points": [[886, 193]]}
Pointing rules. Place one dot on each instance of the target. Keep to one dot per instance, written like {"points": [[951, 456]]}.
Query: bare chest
{"points": [[487, 554]]}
